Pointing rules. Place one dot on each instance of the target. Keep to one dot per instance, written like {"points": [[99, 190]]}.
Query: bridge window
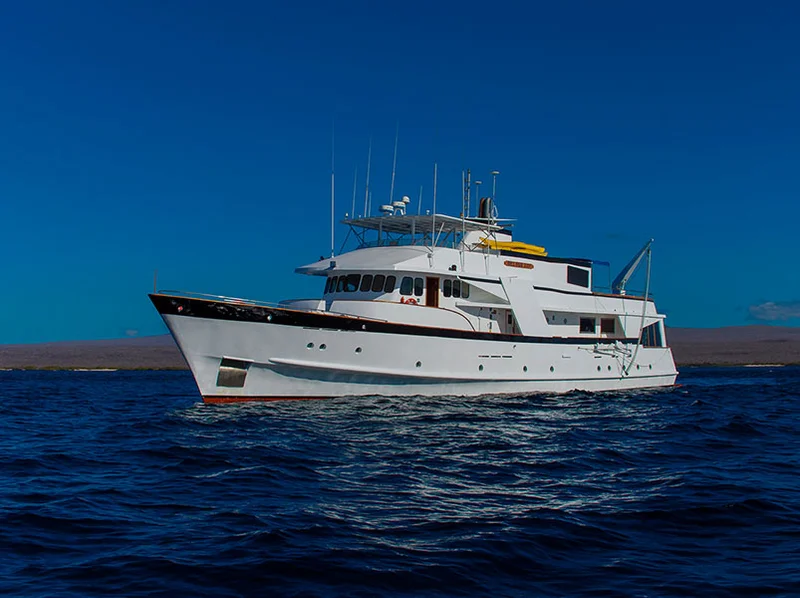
{"points": [[366, 283], [588, 325], [351, 282], [330, 284], [391, 281], [456, 288], [340, 284], [406, 285], [578, 276], [418, 286], [465, 289], [377, 283], [447, 287], [651, 335]]}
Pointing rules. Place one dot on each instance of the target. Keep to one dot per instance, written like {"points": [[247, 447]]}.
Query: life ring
{"points": [[409, 301]]}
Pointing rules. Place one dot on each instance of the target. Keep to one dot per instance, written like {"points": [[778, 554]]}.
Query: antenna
{"points": [[433, 220], [394, 163], [366, 191], [494, 183], [419, 203], [333, 147], [355, 178]]}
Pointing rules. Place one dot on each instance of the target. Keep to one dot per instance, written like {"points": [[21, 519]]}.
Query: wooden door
{"points": [[432, 291]]}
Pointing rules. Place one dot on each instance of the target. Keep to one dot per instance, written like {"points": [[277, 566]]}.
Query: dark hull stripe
{"points": [[247, 312]]}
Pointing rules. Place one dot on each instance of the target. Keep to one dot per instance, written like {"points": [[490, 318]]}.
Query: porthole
{"points": [[323, 346], [552, 369], [565, 320], [650, 366], [599, 368], [609, 368], [524, 368], [310, 346], [419, 364], [480, 368], [638, 367], [358, 349]]}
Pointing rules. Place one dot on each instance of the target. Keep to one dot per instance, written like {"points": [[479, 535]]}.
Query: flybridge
{"points": [[436, 230]]}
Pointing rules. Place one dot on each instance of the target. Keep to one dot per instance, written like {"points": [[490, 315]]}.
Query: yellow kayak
{"points": [[517, 246]]}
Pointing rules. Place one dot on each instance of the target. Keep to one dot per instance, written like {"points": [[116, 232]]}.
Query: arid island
{"points": [[735, 345]]}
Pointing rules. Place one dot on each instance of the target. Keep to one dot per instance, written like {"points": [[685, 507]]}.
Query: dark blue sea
{"points": [[125, 484]]}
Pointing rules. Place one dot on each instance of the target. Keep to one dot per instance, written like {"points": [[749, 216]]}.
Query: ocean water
{"points": [[124, 484]]}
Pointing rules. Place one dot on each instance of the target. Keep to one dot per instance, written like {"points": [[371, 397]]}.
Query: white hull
{"points": [[297, 362]]}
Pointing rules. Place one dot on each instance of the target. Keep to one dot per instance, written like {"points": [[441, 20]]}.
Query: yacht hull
{"points": [[244, 352]]}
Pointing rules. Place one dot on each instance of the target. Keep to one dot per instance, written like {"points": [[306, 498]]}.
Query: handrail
{"points": [[195, 294]]}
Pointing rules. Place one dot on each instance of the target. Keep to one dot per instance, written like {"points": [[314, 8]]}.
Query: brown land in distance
{"points": [[735, 345]]}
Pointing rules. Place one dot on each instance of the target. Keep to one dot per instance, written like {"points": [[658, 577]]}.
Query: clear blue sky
{"points": [[194, 137]]}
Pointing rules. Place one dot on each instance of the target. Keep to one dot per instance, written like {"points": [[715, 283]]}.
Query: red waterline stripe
{"points": [[226, 399]]}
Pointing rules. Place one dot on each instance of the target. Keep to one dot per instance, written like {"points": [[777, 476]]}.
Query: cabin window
{"points": [[377, 283], [327, 286], [418, 286], [366, 283], [578, 276], [406, 285], [389, 286], [447, 288], [465, 289], [456, 288], [340, 284], [651, 335], [608, 325], [351, 283], [587, 325], [332, 286]]}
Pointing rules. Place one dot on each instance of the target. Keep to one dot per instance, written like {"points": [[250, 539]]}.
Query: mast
{"points": [[333, 216], [366, 191], [355, 178]]}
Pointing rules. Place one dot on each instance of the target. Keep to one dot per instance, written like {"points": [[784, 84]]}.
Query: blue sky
{"points": [[194, 138]]}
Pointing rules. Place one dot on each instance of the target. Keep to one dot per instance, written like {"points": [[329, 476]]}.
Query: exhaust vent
{"points": [[232, 372]]}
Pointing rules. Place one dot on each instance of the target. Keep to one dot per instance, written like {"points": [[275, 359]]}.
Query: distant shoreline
{"points": [[753, 346]]}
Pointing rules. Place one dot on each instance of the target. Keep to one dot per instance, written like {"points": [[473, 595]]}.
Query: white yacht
{"points": [[428, 305]]}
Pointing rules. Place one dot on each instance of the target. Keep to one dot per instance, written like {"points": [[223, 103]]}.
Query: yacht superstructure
{"points": [[427, 305]]}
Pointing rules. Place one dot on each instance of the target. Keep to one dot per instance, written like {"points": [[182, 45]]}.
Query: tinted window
{"points": [[588, 325], [578, 276], [418, 286], [607, 325], [456, 288], [340, 284], [651, 335], [352, 282], [327, 286], [389, 286], [377, 283], [465, 289], [406, 285], [447, 288], [366, 283], [332, 285]]}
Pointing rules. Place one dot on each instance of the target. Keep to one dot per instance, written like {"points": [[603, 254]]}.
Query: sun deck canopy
{"points": [[410, 229], [417, 224]]}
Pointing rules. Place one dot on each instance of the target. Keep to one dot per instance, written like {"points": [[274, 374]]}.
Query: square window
{"points": [[588, 325], [608, 325]]}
